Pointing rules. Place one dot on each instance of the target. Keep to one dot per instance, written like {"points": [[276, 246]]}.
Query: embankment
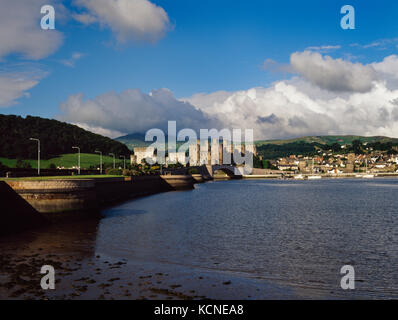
{"points": [[30, 203]]}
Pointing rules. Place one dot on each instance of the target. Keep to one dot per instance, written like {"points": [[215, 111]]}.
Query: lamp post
{"points": [[124, 162], [78, 158], [38, 154], [114, 161], [100, 160]]}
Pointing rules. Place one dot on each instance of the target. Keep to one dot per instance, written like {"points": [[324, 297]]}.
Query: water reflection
{"points": [[296, 233], [76, 239]]}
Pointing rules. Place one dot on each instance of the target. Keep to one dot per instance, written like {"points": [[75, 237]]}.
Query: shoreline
{"points": [[83, 272]]}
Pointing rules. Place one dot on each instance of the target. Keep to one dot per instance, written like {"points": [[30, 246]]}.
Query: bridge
{"points": [[230, 170], [207, 171]]}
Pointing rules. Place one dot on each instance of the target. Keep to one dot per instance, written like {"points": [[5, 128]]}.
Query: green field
{"points": [[68, 161]]}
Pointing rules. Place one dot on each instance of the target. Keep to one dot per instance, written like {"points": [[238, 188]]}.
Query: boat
{"points": [[299, 177]]}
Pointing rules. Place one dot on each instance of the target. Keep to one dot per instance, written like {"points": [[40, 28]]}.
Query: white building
{"points": [[145, 153]]}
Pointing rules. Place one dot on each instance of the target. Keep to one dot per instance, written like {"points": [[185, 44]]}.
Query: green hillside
{"points": [[329, 140], [57, 138], [67, 161]]}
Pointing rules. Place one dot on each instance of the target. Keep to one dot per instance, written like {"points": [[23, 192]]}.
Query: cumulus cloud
{"points": [[20, 31], [333, 74], [306, 104], [389, 66], [99, 130], [132, 111], [128, 19], [293, 108]]}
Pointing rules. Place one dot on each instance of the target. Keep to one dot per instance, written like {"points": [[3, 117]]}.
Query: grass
{"points": [[67, 161]]}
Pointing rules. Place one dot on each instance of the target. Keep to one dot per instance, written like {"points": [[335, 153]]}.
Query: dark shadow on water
{"points": [[75, 238]]}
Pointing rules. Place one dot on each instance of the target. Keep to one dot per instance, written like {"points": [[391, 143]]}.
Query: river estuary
{"points": [[241, 239]]}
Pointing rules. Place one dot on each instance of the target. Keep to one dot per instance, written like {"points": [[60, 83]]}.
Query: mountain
{"points": [[56, 138], [134, 140]]}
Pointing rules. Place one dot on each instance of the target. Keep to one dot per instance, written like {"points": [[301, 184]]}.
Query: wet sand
{"points": [[82, 273]]}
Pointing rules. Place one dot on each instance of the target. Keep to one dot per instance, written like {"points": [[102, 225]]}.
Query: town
{"points": [[339, 160]]}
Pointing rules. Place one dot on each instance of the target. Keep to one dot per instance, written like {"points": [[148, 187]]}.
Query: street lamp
{"points": [[124, 162], [78, 158], [100, 160], [38, 154], [114, 161]]}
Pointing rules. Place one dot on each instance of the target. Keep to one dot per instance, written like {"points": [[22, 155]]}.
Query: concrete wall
{"points": [[110, 191], [54, 196], [59, 199]]}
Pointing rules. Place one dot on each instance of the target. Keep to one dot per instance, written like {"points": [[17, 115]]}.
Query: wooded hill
{"points": [[56, 138]]}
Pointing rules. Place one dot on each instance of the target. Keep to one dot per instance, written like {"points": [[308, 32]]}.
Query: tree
{"points": [[52, 166], [15, 132], [336, 147], [357, 147]]}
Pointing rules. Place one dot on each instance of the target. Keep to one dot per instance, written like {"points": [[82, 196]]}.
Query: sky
{"points": [[283, 68]]}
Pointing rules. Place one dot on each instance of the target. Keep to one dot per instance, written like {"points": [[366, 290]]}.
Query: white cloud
{"points": [[132, 111], [20, 31], [388, 66], [14, 86], [102, 131], [378, 44], [72, 60], [324, 48], [333, 74], [296, 108], [274, 66], [306, 104], [128, 19]]}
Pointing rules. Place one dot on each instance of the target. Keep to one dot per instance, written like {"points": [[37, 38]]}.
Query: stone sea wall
{"points": [[29, 203]]}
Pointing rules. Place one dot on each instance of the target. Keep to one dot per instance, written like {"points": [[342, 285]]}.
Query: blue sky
{"points": [[209, 45]]}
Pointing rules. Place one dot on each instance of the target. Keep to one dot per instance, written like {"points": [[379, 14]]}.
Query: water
{"points": [[296, 233]]}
